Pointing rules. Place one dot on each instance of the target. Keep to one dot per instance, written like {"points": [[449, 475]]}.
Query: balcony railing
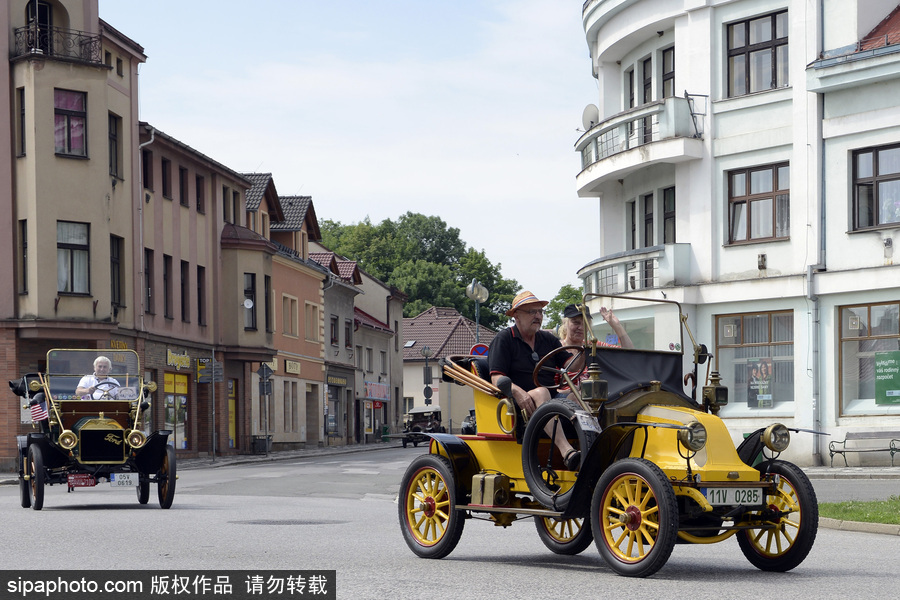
{"points": [[651, 122], [644, 268], [56, 42]]}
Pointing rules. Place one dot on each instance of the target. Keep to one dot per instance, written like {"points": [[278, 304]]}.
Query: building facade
{"points": [[743, 155]]}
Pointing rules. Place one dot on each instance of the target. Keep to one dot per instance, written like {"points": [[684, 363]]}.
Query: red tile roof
{"points": [[444, 330], [886, 33]]}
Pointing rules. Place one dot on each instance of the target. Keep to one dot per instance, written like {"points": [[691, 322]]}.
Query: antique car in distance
{"points": [[657, 465], [88, 428], [419, 421]]}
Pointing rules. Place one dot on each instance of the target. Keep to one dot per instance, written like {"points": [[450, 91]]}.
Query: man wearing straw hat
{"points": [[515, 352]]}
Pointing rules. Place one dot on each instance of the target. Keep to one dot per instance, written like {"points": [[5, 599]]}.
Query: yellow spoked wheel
{"points": [[564, 536], [428, 518], [634, 517], [787, 525]]}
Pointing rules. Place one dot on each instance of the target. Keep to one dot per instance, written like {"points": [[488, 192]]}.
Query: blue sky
{"points": [[463, 109]]}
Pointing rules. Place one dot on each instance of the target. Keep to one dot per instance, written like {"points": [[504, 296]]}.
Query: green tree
{"points": [[568, 294], [475, 265], [427, 284]]}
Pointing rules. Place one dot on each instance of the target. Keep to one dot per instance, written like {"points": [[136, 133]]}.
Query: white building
{"points": [[746, 157]]}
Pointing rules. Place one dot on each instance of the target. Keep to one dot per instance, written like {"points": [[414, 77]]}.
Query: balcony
{"points": [[55, 42], [645, 268], [664, 131]]}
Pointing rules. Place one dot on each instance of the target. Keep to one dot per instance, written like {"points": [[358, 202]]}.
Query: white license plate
{"points": [[123, 479], [587, 421], [733, 496]]}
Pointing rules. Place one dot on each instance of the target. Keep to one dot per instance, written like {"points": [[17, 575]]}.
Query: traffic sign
{"points": [[428, 392], [264, 371], [479, 350]]}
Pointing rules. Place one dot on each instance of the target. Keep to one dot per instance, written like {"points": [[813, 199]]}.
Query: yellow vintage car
{"points": [[658, 465], [87, 408]]}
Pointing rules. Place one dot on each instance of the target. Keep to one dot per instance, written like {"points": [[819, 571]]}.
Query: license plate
{"points": [[123, 479], [81, 480], [733, 496], [587, 421]]}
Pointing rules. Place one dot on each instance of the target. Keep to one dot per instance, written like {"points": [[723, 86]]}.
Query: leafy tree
{"points": [[568, 294], [475, 265], [427, 284]]}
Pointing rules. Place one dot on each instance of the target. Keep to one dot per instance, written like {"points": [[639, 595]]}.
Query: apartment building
{"points": [[744, 156]]}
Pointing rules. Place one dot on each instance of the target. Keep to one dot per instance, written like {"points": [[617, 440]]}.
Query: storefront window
{"points": [[870, 358], [176, 390], [755, 356], [332, 419]]}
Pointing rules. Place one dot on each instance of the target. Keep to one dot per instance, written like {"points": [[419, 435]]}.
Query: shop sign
{"points": [[273, 365], [118, 345], [887, 377], [377, 391], [337, 380], [292, 366], [179, 361]]}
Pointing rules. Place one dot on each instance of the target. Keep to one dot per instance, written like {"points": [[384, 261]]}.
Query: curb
{"points": [[859, 526]]}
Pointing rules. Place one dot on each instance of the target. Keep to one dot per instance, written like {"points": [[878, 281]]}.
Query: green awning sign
{"points": [[887, 377]]}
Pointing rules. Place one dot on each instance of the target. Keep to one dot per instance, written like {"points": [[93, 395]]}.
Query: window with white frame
{"points": [[73, 257], [70, 122]]}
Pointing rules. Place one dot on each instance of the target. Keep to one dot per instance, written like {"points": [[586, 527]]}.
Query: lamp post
{"points": [[478, 293], [426, 377]]}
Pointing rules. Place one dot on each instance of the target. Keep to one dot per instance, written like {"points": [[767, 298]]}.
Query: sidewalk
{"points": [[823, 472]]}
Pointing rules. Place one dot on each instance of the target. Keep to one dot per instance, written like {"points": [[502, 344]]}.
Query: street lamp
{"points": [[426, 377], [477, 292]]}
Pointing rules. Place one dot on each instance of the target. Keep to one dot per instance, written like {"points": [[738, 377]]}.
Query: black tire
{"points": [[36, 471], [429, 520], [564, 536], [783, 548], [634, 517], [404, 443], [143, 489], [166, 477], [541, 458], [24, 492]]}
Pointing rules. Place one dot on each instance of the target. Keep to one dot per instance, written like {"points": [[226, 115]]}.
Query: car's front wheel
{"points": [[429, 520], [634, 517], [794, 510], [143, 489], [166, 479], [564, 536], [36, 471]]}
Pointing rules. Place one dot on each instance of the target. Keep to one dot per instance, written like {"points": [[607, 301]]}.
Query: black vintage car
{"points": [[419, 421], [88, 428]]}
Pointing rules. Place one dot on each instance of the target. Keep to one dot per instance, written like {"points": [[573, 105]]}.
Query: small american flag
{"points": [[39, 412]]}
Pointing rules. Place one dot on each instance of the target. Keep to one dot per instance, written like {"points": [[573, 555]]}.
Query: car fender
{"points": [[461, 458]]}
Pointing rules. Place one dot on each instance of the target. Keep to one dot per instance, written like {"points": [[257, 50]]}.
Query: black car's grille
{"points": [[102, 445]]}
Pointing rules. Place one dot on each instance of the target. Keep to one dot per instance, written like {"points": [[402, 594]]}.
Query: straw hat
{"points": [[522, 299]]}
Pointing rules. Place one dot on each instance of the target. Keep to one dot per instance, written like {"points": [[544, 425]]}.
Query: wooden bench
{"points": [[891, 439]]}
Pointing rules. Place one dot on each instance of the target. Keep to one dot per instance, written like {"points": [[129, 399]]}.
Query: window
{"points": [[200, 185], [236, 207], [756, 352], [289, 316], [267, 303], [226, 206], [383, 362], [869, 357], [668, 73], [115, 146], [250, 307], [70, 122], [629, 77], [631, 225], [168, 298], [348, 333], [116, 276], [73, 257], [185, 291], [759, 203], [21, 127], [107, 58], [647, 96], [312, 323], [668, 215], [183, 186], [876, 187], [23, 256], [120, 67], [201, 295], [166, 166], [147, 169], [148, 281], [334, 330], [647, 201], [368, 360], [359, 358], [758, 54]]}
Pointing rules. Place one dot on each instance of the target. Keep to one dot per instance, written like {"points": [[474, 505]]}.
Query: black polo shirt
{"points": [[510, 355]]}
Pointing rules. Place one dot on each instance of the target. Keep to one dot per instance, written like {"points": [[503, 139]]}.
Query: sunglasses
{"points": [[532, 311]]}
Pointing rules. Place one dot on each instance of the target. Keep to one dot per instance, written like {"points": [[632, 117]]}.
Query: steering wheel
{"points": [[110, 386], [542, 366]]}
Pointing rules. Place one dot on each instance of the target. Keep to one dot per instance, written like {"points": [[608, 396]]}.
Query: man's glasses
{"points": [[532, 311]]}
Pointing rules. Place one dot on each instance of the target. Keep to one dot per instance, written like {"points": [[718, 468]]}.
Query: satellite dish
{"points": [[248, 303], [590, 116]]}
